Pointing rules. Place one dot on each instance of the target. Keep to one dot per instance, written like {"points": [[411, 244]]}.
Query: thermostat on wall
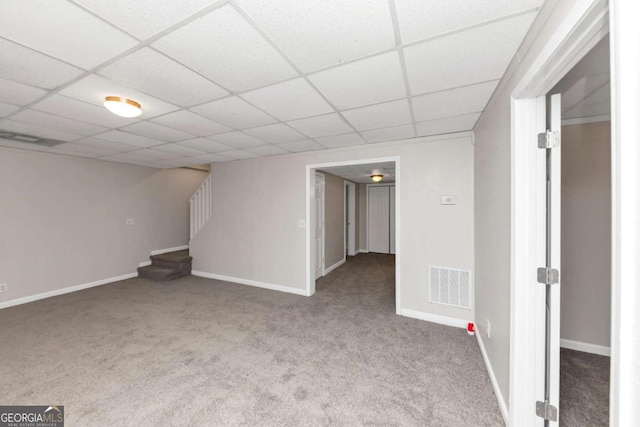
{"points": [[448, 200]]}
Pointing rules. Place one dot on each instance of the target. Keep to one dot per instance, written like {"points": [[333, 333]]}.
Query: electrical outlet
{"points": [[130, 221], [488, 329], [448, 200], [4, 287]]}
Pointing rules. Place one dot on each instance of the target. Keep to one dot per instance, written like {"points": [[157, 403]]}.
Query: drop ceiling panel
{"points": [[380, 115], [192, 123], [472, 56], [320, 34], [62, 30], [129, 138], [179, 150], [275, 134], [448, 125], [114, 147], [341, 140], [223, 46], [300, 146], [153, 73], [33, 68], [74, 109], [389, 134], [239, 155], [82, 150], [267, 150], [144, 155], [207, 158], [18, 93], [156, 131], [289, 100], [577, 90], [454, 102], [23, 146], [144, 18], [364, 82], [237, 140], [327, 125], [419, 19], [6, 109], [93, 89], [234, 112], [206, 145], [35, 130], [51, 121]]}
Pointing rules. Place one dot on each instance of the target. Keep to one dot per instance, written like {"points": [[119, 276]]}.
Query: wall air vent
{"points": [[29, 139], [450, 286]]}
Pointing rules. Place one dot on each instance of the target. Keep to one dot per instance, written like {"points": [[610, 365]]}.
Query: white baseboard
{"points": [[144, 263], [494, 382], [334, 266], [248, 282], [32, 298], [164, 251], [435, 318], [362, 251], [586, 347]]}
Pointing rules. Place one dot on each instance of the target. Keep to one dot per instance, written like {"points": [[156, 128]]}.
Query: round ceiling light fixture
{"points": [[376, 178], [122, 107]]}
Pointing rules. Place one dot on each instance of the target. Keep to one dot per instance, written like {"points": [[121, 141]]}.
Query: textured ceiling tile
{"points": [[155, 131], [318, 34], [239, 155], [6, 109], [448, 125], [237, 140], [51, 121], [267, 150], [389, 134], [62, 30], [300, 146], [341, 140], [153, 73], [144, 18], [82, 149], [23, 145], [74, 109], [223, 46], [35, 130], [93, 89], [275, 134], [364, 82], [191, 123], [177, 149], [234, 112], [472, 56], [18, 93], [454, 102], [327, 125], [30, 67], [380, 115], [289, 100], [419, 19], [206, 145], [114, 147], [208, 158], [129, 138]]}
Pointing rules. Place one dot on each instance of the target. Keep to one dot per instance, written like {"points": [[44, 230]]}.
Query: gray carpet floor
{"points": [[584, 389], [202, 352]]}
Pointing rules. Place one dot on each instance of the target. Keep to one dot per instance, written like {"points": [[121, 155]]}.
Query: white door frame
{"points": [[584, 26], [350, 209], [322, 243], [310, 176]]}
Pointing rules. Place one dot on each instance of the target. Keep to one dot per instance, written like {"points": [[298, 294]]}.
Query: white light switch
{"points": [[130, 221], [301, 223], [448, 200]]}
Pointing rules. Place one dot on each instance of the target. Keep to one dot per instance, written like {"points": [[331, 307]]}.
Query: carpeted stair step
{"points": [[178, 260], [159, 274]]}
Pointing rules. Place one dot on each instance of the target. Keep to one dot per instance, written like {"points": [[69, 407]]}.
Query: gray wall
{"points": [[253, 234], [333, 219], [63, 218], [586, 233]]}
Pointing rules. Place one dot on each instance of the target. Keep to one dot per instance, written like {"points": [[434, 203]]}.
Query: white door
{"points": [[319, 224], [378, 229], [392, 219]]}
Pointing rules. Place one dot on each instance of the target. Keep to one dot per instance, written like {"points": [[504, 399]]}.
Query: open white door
{"points": [[319, 225]]}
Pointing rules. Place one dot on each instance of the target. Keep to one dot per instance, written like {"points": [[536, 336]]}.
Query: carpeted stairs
{"points": [[167, 266]]}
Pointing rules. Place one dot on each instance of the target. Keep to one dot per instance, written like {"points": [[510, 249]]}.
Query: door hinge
{"points": [[546, 411], [548, 276], [549, 139]]}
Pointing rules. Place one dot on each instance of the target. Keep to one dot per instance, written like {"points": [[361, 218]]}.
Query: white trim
{"points": [[435, 318], [167, 250], [67, 290], [248, 282], [585, 120], [586, 347], [144, 263], [350, 207], [334, 266], [324, 224], [362, 251], [502, 404]]}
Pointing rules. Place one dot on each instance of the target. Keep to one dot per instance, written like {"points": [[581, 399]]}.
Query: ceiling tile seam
{"points": [[403, 65], [186, 109], [111, 24], [450, 117], [43, 54], [116, 58]]}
